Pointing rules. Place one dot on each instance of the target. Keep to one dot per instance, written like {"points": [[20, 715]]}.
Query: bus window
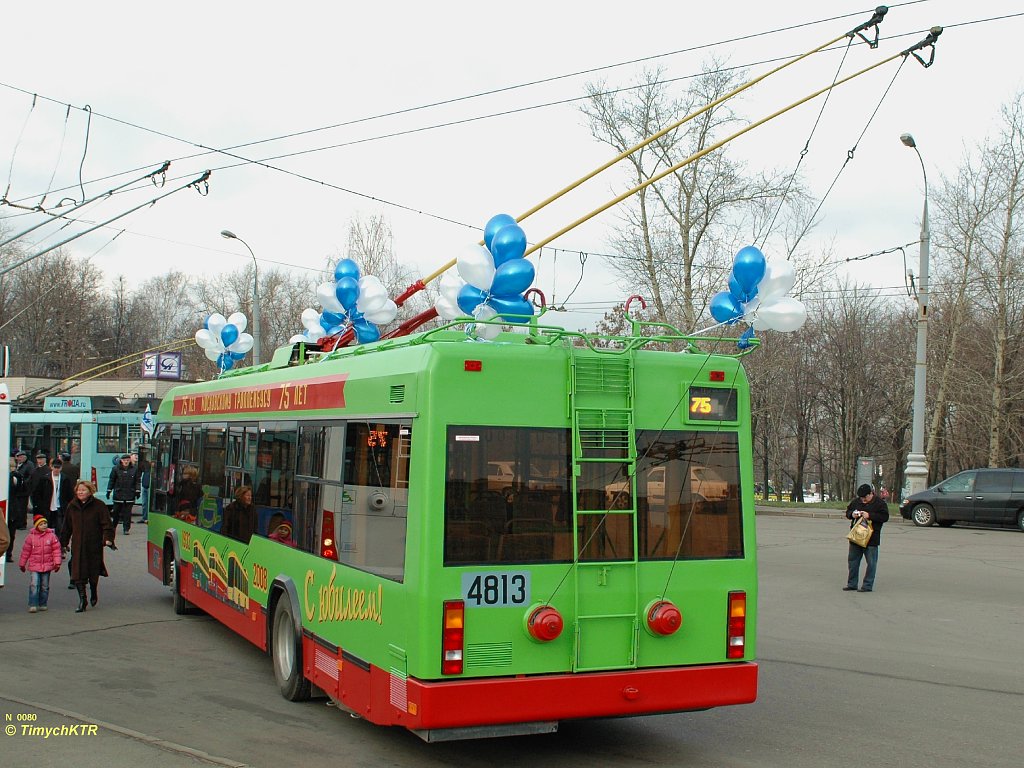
{"points": [[112, 438], [690, 506], [506, 495], [275, 466], [373, 502]]}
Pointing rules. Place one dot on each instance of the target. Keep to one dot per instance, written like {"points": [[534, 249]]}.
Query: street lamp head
{"points": [[906, 138], [228, 234]]}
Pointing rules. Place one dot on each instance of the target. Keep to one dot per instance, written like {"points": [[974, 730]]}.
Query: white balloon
{"points": [[450, 285], [213, 354], [327, 298], [476, 266], [204, 338], [384, 314], [296, 338], [447, 308], [372, 296], [216, 323], [310, 318], [750, 309], [487, 332], [779, 278], [243, 343], [485, 312], [785, 314], [315, 334], [238, 320]]}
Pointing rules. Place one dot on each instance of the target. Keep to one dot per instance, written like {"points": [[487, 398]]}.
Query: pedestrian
{"points": [[17, 509], [41, 555], [51, 494], [87, 529], [39, 471], [124, 484], [71, 471], [240, 516], [5, 537], [867, 506], [283, 534]]}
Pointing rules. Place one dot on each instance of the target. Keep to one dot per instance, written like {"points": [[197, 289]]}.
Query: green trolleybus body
{"points": [[486, 538]]}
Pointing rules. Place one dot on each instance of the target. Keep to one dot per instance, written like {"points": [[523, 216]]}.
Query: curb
{"points": [[786, 512]]}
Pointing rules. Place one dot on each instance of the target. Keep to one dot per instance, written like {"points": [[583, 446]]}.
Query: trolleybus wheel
{"points": [[923, 515], [286, 653], [172, 570]]}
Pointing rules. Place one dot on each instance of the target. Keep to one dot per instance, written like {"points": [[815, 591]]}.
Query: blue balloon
{"points": [[237, 355], [224, 361], [741, 296], [347, 292], [512, 278], [229, 334], [508, 243], [346, 268], [492, 227], [366, 332], [469, 298], [724, 307], [512, 305], [331, 322], [748, 268]]}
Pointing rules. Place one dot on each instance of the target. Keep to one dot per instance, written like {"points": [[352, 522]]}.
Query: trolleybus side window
{"points": [[241, 458], [275, 473], [368, 514], [112, 438], [507, 495], [688, 490], [160, 474], [318, 488]]}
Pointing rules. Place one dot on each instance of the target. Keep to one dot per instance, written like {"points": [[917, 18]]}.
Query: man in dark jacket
{"points": [[51, 494], [124, 484], [867, 506]]}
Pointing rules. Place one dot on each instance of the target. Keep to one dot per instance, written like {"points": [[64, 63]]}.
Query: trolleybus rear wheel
{"points": [[286, 653], [172, 568]]}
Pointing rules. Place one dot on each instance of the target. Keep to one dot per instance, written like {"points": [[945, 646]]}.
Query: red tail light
{"points": [[328, 547], [735, 646], [92, 478], [453, 636]]}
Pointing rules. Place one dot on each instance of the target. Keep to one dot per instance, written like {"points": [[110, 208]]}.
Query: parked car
{"points": [[974, 496]]}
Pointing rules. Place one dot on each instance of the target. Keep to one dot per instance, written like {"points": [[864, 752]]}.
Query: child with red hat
{"points": [[40, 554]]}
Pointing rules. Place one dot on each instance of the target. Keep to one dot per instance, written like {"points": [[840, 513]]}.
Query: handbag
{"points": [[860, 533]]}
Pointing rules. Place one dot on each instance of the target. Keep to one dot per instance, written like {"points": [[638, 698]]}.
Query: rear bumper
{"points": [[566, 697]]}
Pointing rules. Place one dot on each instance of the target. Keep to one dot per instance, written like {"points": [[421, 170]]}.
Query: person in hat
{"points": [[867, 506], [70, 471], [280, 530], [40, 555], [124, 485], [39, 471], [240, 516], [87, 529]]}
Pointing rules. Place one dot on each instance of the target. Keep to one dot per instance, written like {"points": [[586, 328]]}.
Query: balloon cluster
{"points": [[223, 339], [351, 301], [757, 295], [492, 279]]}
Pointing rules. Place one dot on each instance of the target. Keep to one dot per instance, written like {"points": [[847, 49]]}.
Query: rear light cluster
{"points": [[328, 547], [735, 647], [453, 636]]}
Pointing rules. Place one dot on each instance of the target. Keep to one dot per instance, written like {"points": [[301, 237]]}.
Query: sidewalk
{"points": [[799, 512]]}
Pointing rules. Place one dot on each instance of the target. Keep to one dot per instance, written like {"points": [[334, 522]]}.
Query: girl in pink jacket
{"points": [[41, 554]]}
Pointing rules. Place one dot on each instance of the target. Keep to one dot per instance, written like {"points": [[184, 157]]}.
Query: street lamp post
{"points": [[916, 474], [255, 296]]}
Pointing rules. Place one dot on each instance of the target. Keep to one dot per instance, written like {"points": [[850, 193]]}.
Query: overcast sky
{"points": [[186, 76]]}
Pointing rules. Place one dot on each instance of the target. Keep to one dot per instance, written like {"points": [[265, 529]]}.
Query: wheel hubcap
{"points": [[284, 650], [922, 516]]}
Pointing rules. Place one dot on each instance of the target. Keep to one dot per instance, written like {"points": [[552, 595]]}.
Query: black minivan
{"points": [[975, 496]]}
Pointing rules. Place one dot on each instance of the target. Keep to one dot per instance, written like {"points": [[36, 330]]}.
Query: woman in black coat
{"points": [[87, 528], [240, 516]]}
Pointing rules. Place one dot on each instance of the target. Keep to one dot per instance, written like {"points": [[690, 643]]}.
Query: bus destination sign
{"points": [[712, 404]]}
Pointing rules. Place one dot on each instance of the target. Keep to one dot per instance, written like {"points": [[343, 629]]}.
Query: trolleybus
{"points": [[599, 580]]}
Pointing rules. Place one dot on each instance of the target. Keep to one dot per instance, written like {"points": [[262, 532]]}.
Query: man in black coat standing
{"points": [[51, 495], [867, 506], [124, 485], [17, 513]]}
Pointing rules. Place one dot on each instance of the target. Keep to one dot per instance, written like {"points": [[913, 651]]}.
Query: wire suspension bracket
{"points": [[874, 21], [928, 42]]}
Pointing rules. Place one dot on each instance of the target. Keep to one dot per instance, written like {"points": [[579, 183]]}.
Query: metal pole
{"points": [[255, 297], [916, 475]]}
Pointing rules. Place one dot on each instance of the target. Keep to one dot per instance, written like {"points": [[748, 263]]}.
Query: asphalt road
{"points": [[925, 671]]}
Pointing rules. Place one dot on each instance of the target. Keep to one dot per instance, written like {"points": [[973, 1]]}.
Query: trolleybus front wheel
{"points": [[172, 572], [286, 653]]}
